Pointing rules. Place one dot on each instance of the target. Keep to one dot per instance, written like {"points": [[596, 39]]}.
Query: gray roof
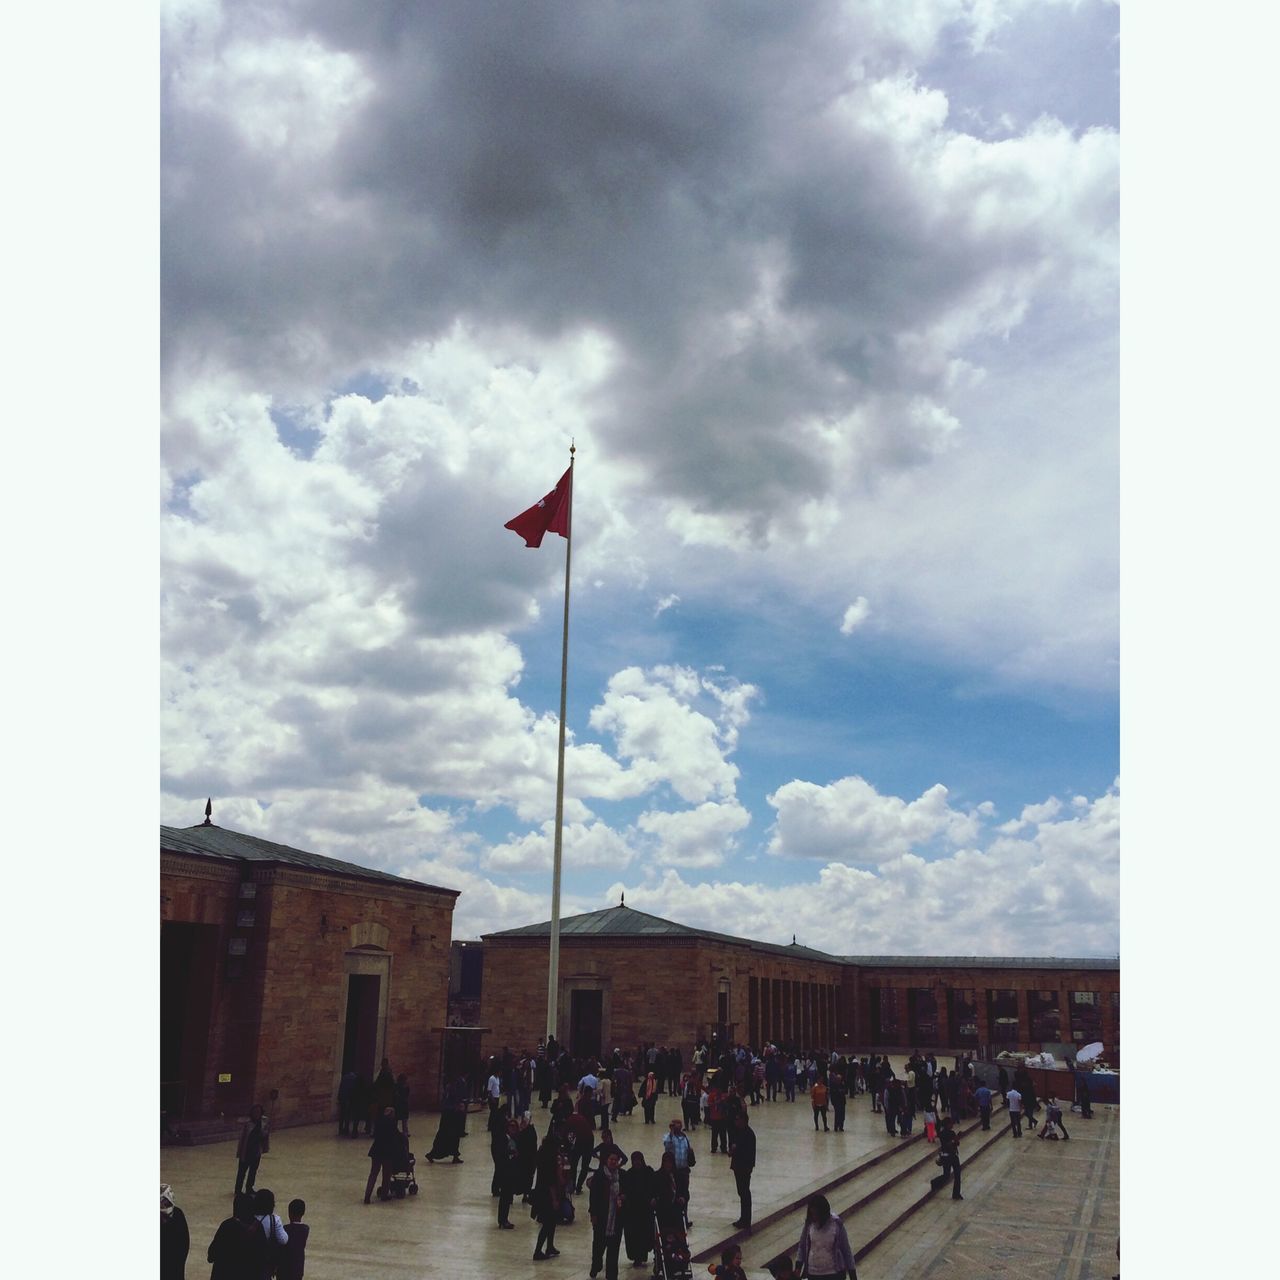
{"points": [[625, 922], [234, 846], [982, 962]]}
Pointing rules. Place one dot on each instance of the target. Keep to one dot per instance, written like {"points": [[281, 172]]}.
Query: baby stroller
{"points": [[402, 1179], [671, 1260]]}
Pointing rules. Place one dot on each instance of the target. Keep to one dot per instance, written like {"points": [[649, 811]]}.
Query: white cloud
{"points": [[1049, 894], [701, 837], [665, 603], [854, 616], [582, 845], [851, 821], [1034, 814], [661, 735]]}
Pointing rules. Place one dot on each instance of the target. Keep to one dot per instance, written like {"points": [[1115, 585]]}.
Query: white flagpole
{"points": [[553, 972]]}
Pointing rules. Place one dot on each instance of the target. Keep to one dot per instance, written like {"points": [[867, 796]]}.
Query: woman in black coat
{"points": [[640, 1199], [548, 1195], [175, 1238], [387, 1144], [239, 1247], [671, 1204]]}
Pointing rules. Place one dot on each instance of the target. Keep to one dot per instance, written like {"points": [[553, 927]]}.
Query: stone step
{"points": [[872, 1197]]}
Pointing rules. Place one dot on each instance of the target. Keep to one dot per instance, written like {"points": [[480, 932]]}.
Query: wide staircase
{"points": [[873, 1197]]}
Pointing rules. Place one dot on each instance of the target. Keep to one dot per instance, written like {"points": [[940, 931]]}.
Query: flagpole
{"points": [[553, 972]]}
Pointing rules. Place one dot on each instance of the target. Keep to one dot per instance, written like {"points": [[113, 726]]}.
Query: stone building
{"points": [[627, 977], [280, 969]]}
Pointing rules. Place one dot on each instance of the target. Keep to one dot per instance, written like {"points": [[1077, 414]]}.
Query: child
{"points": [[294, 1258], [730, 1265], [931, 1126]]}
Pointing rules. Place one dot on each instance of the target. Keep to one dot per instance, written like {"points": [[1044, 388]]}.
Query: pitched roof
{"points": [[625, 922], [218, 842]]}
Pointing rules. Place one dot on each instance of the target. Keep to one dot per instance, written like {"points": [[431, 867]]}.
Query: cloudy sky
{"points": [[825, 294]]}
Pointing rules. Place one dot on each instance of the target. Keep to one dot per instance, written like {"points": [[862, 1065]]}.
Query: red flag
{"points": [[550, 515]]}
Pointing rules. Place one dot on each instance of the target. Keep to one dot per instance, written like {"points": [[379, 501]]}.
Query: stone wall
{"points": [[279, 1025], [666, 991]]}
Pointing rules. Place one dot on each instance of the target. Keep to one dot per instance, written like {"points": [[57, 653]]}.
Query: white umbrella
{"points": [[1089, 1052]]}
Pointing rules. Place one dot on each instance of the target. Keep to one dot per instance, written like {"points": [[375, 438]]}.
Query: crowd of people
{"points": [[252, 1244], [638, 1206], [633, 1204]]}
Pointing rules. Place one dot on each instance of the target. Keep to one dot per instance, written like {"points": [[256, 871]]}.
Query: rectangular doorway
{"points": [[188, 959], [360, 1041], [586, 1022]]}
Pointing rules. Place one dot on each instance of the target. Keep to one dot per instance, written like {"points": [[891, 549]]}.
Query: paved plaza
{"points": [[1030, 1208]]}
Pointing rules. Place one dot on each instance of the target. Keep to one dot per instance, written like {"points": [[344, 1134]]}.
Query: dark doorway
{"points": [[188, 956], [360, 1043], [586, 1021]]}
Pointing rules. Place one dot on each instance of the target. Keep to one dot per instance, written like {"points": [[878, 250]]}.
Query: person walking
{"points": [[948, 1158], [715, 1107], [506, 1158], [238, 1246], [818, 1098], [689, 1100], [650, 1099], [175, 1237], [382, 1152], [1013, 1100], [890, 1104], [839, 1095], [1086, 1101], [606, 1208], [347, 1119], [1053, 1120], [453, 1116], [293, 1261], [274, 1236], [907, 1109], [401, 1102], [255, 1142], [742, 1151], [676, 1144], [639, 1201], [825, 1252], [673, 1208], [548, 1195]]}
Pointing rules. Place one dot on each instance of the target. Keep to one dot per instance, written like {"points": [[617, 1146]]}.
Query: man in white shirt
{"points": [[1014, 1099], [494, 1089]]}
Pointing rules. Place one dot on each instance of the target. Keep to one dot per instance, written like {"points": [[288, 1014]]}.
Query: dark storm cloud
{"points": [[648, 171]]}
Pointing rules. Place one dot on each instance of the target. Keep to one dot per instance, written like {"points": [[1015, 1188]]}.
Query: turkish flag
{"points": [[550, 515]]}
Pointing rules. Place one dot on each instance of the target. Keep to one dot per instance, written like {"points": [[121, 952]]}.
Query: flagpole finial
{"points": [[573, 448]]}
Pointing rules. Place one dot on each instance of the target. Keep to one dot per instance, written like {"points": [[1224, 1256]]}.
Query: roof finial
{"points": [[208, 813], [623, 903], [793, 939]]}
